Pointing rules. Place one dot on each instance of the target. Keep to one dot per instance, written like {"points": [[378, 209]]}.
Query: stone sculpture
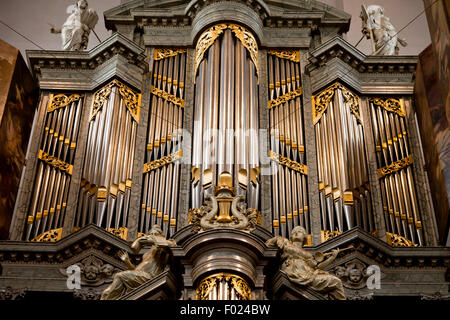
{"points": [[153, 263], [75, 31], [306, 269], [379, 29]]}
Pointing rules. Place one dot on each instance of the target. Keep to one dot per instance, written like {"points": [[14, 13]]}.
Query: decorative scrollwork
{"points": [[395, 166], [55, 162], [162, 53], [167, 96], [61, 100], [291, 164], [132, 99], [390, 104], [293, 55], [327, 234], [396, 240], [209, 36], [158, 163], [285, 98], [240, 286], [121, 232], [49, 236], [322, 100]]}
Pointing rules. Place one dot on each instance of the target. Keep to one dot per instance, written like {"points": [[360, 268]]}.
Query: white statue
{"points": [[379, 29], [75, 31]]}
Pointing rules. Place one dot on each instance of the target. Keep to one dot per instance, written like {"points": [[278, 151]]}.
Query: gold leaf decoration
{"points": [[293, 55], [155, 164], [395, 166], [121, 232], [55, 162], [61, 100], [241, 287], [396, 240], [167, 96], [327, 234], [162, 53], [49, 236], [131, 98], [285, 98], [390, 104], [291, 164]]}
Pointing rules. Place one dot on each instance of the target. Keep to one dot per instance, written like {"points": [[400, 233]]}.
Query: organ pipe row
{"points": [[161, 170], [55, 164], [287, 151], [225, 139], [394, 159], [342, 165], [107, 172]]}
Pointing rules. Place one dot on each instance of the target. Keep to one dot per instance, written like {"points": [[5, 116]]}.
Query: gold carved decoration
{"points": [[320, 101], [167, 96], [396, 240], [49, 236], [209, 36], [291, 164], [241, 287], [285, 98], [293, 55], [55, 162], [155, 164], [121, 232], [162, 53], [61, 100], [327, 234], [390, 104], [396, 166], [131, 98]]}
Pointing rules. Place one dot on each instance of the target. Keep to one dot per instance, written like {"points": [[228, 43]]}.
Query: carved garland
{"points": [[155, 164], [132, 99], [395, 166], [61, 100], [209, 36], [285, 98], [162, 53], [55, 162], [322, 100], [291, 164], [396, 240], [167, 96], [293, 55], [390, 104], [49, 236]]}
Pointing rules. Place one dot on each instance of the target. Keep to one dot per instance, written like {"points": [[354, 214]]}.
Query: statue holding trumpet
{"points": [[306, 269]]}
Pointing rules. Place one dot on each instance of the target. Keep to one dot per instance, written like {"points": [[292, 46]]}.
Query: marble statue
{"points": [[75, 31], [379, 29], [306, 269], [153, 263]]}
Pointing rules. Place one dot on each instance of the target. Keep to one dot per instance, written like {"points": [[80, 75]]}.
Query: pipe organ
{"points": [[401, 211], [225, 136], [55, 164], [161, 169], [105, 189], [344, 191], [223, 286], [287, 149]]}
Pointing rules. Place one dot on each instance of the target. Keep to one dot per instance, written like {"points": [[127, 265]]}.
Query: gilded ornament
{"points": [[209, 36], [167, 96], [155, 164], [396, 240], [327, 234], [241, 287], [390, 104], [291, 164], [162, 53], [61, 100], [49, 236], [121, 232], [55, 162], [395, 166], [293, 55], [285, 98], [131, 98]]}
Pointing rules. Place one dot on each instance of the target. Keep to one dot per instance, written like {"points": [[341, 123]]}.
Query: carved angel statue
{"points": [[75, 31], [153, 263], [306, 269], [379, 29]]}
